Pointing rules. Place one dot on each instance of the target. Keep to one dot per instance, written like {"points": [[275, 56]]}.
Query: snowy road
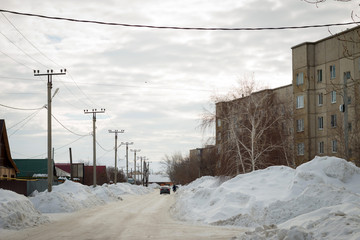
{"points": [[137, 217]]}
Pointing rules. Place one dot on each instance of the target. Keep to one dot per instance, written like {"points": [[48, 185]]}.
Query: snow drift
{"points": [[18, 211], [279, 201]]}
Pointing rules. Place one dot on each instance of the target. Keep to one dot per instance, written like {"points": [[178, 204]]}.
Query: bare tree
{"points": [[252, 130], [111, 174]]}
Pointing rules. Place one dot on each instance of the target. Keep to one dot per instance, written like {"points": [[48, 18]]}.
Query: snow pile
{"points": [[317, 200], [71, 196], [16, 211]]}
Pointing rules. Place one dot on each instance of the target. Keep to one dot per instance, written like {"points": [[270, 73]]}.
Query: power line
{"points": [[59, 147], [29, 40], [22, 50], [23, 109], [16, 60], [180, 28], [37, 49], [31, 116], [81, 135]]}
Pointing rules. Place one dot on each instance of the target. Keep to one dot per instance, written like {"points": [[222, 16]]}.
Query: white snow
{"points": [[318, 200], [18, 211]]}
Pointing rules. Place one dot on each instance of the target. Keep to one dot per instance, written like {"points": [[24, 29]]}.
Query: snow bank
{"points": [[71, 196], [278, 201], [16, 211]]}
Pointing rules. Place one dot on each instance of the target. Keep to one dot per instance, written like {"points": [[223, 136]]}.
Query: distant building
{"points": [[268, 112], [101, 175], [326, 77], [205, 158], [33, 168], [159, 179]]}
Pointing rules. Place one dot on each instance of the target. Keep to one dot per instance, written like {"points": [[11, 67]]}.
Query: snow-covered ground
{"points": [[18, 211], [318, 200]]}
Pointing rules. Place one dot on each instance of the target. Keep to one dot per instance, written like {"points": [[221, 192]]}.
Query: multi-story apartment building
{"points": [[326, 77], [254, 131], [323, 97]]}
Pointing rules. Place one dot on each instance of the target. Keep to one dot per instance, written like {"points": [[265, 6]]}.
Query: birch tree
{"points": [[252, 130]]}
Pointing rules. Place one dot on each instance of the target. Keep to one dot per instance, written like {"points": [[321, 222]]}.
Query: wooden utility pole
{"points": [[50, 166], [71, 165], [135, 151], [94, 112], [116, 147], [127, 157]]}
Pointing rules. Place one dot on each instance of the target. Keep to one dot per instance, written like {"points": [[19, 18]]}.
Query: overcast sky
{"points": [[153, 83]]}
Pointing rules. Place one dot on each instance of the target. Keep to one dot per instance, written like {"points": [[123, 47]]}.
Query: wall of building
{"points": [[342, 51]]}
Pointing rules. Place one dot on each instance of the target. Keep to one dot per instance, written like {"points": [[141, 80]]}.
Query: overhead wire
{"points": [[22, 50], [58, 147], [29, 41], [27, 119], [37, 49], [77, 134], [23, 64], [23, 109], [179, 28], [106, 150]]}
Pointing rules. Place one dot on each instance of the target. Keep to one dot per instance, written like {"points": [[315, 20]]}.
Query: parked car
{"points": [[165, 189], [131, 181]]}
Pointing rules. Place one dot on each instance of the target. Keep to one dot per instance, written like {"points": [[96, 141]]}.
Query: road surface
{"points": [[136, 217]]}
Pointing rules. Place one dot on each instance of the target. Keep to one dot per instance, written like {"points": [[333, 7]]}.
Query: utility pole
{"points": [[135, 151], [127, 157], [345, 110], [116, 147], [71, 165], [94, 112], [141, 170], [49, 74]]}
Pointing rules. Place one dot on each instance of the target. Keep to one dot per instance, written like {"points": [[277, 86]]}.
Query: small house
{"points": [[8, 168]]}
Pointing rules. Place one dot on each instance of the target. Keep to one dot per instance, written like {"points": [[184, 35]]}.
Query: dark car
{"points": [[165, 189]]}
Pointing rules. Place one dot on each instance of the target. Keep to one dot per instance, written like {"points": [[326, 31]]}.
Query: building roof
{"points": [[155, 178], [329, 37], [31, 167], [4, 139]]}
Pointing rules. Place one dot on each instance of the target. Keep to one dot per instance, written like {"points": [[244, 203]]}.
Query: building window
{"points": [[332, 72], [300, 125], [299, 79], [301, 149], [333, 96], [321, 123], [321, 147], [320, 99], [219, 123], [300, 101], [334, 146], [319, 75], [333, 120]]}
